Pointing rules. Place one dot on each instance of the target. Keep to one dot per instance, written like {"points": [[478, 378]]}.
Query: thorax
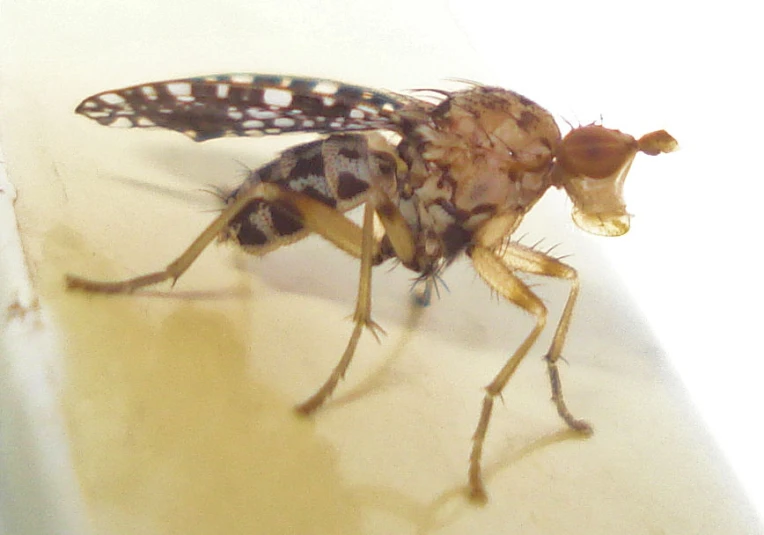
{"points": [[479, 154]]}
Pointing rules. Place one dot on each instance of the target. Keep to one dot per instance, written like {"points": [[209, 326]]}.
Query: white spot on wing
{"points": [[222, 90], [371, 110], [329, 101], [257, 113], [149, 92], [143, 121], [242, 78], [179, 89], [325, 87], [277, 97], [356, 114], [112, 98], [252, 124], [283, 122]]}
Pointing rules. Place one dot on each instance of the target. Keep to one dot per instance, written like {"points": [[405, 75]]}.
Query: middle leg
{"points": [[403, 244], [361, 317]]}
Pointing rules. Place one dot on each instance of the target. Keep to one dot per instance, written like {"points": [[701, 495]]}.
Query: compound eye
{"points": [[595, 151]]}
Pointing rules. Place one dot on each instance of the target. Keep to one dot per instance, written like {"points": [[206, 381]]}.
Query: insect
{"points": [[455, 175]]}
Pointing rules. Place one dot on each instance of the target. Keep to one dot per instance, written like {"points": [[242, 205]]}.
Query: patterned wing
{"points": [[246, 105]]}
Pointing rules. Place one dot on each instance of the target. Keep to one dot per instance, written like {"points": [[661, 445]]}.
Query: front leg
{"points": [[497, 269], [361, 317], [529, 260]]}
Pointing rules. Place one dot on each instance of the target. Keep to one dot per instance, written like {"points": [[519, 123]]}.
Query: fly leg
{"points": [[403, 243], [498, 269], [530, 261], [313, 214], [361, 317]]}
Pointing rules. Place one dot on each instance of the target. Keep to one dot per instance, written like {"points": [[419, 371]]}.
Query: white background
{"points": [[689, 261]]}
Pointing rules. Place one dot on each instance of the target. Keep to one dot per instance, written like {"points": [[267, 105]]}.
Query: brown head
{"points": [[592, 163]]}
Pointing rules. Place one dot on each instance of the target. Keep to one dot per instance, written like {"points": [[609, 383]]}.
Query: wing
{"points": [[223, 105]]}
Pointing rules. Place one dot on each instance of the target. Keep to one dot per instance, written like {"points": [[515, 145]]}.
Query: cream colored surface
{"points": [[177, 402]]}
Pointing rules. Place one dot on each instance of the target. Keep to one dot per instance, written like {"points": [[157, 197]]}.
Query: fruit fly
{"points": [[454, 175]]}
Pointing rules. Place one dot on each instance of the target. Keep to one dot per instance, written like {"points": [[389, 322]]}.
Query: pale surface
{"points": [[178, 402]]}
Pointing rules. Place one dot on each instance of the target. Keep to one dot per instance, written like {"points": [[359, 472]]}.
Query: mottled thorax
{"points": [[495, 145], [484, 152]]}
